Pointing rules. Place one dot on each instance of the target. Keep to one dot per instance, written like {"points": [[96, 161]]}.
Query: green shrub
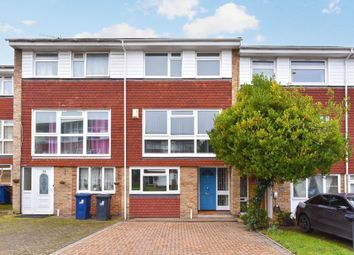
{"points": [[284, 218], [255, 219]]}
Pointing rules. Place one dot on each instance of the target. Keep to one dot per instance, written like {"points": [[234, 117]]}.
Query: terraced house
{"points": [[6, 123], [127, 117]]}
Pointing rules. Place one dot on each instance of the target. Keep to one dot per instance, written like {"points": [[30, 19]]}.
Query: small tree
{"points": [[277, 134]]}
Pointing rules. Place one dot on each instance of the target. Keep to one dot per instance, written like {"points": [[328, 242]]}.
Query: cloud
{"points": [[28, 22], [260, 38], [332, 7], [229, 18], [7, 28], [174, 8], [120, 30]]}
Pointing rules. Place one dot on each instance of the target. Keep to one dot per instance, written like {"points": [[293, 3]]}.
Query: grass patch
{"points": [[5, 207], [44, 235], [309, 243]]}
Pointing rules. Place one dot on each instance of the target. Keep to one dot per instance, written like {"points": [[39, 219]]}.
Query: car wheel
{"points": [[304, 223]]}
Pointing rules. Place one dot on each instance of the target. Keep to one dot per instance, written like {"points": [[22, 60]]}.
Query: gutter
{"points": [[346, 119], [125, 133]]}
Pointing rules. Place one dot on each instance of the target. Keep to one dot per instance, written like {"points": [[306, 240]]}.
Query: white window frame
{"points": [[350, 181], [263, 66], [5, 123], [142, 174], [3, 79], [324, 185], [58, 134], [45, 60], [89, 180], [205, 58], [169, 58], [85, 75], [325, 68], [3, 168], [169, 137]]}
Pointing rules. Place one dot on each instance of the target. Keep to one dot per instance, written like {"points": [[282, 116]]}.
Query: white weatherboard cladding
{"points": [[188, 64], [135, 64], [245, 70], [283, 70], [64, 64], [226, 64], [336, 71], [350, 72], [117, 64], [27, 64]]}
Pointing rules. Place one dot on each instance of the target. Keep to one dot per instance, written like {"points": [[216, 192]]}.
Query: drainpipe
{"points": [[346, 119], [125, 132]]}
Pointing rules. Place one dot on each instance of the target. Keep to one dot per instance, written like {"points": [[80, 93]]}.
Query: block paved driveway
{"points": [[175, 238]]}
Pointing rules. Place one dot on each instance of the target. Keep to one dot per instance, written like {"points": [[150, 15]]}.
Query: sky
{"points": [[266, 22]]}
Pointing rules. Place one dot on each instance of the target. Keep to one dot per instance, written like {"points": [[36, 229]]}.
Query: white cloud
{"points": [[260, 38], [28, 22], [7, 28], [174, 8], [332, 7], [228, 19], [120, 30]]}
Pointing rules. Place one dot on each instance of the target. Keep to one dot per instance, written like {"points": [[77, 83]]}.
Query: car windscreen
{"points": [[351, 200]]}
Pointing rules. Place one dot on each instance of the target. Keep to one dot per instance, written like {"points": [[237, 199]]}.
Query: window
{"points": [[46, 64], [265, 67], [243, 194], [336, 201], [27, 178], [154, 180], [163, 64], [90, 64], [319, 200], [6, 86], [308, 71], [208, 64], [314, 185], [71, 133], [351, 183], [6, 137], [96, 179], [178, 132]]}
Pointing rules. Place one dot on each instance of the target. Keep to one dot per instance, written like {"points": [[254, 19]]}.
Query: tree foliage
{"points": [[279, 134]]}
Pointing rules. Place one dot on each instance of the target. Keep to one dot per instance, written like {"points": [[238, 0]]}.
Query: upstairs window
{"points": [[208, 64], [72, 133], [308, 71], [6, 86], [265, 67], [163, 64], [6, 137], [90, 64], [178, 132], [46, 64]]}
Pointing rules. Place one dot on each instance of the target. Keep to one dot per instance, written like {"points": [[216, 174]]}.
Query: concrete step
{"points": [[6, 212]]}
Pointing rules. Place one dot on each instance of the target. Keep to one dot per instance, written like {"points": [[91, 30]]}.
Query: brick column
{"points": [[189, 191], [235, 73], [17, 135], [234, 192]]}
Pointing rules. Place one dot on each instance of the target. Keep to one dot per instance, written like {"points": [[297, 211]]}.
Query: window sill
{"points": [[70, 157], [153, 193], [95, 192], [178, 155]]}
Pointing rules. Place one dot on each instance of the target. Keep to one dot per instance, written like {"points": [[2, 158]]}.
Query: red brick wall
{"points": [[154, 206], [6, 113]]}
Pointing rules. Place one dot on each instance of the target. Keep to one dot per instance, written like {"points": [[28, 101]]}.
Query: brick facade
{"points": [[189, 191]]}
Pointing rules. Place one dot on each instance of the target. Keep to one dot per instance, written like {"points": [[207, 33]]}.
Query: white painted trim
{"points": [[208, 59], [141, 192], [3, 124], [35, 60], [58, 134], [3, 79], [325, 68], [102, 181], [169, 59]]}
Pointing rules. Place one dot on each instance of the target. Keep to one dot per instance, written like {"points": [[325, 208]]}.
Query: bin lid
{"points": [[82, 195], [103, 196]]}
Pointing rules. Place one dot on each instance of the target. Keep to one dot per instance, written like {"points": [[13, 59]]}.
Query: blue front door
{"points": [[207, 188]]}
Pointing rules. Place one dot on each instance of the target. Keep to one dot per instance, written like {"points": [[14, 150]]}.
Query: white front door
{"points": [[38, 190], [270, 202]]}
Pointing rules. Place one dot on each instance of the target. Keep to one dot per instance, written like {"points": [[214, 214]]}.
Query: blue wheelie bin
{"points": [[5, 194], [83, 204]]}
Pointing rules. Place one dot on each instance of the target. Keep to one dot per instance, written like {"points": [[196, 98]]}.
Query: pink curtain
{"points": [[98, 126], [98, 145]]}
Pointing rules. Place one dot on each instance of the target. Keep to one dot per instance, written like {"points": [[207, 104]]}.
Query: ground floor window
{"points": [[153, 180], [316, 184], [351, 183], [5, 173], [96, 179], [243, 194]]}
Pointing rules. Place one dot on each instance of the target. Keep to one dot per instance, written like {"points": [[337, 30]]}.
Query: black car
{"points": [[326, 212]]}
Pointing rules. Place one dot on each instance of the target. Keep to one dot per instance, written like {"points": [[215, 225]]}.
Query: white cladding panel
{"points": [[116, 64], [350, 72], [245, 70], [64, 64], [27, 64], [226, 64], [336, 71], [283, 70], [188, 64], [135, 64]]}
